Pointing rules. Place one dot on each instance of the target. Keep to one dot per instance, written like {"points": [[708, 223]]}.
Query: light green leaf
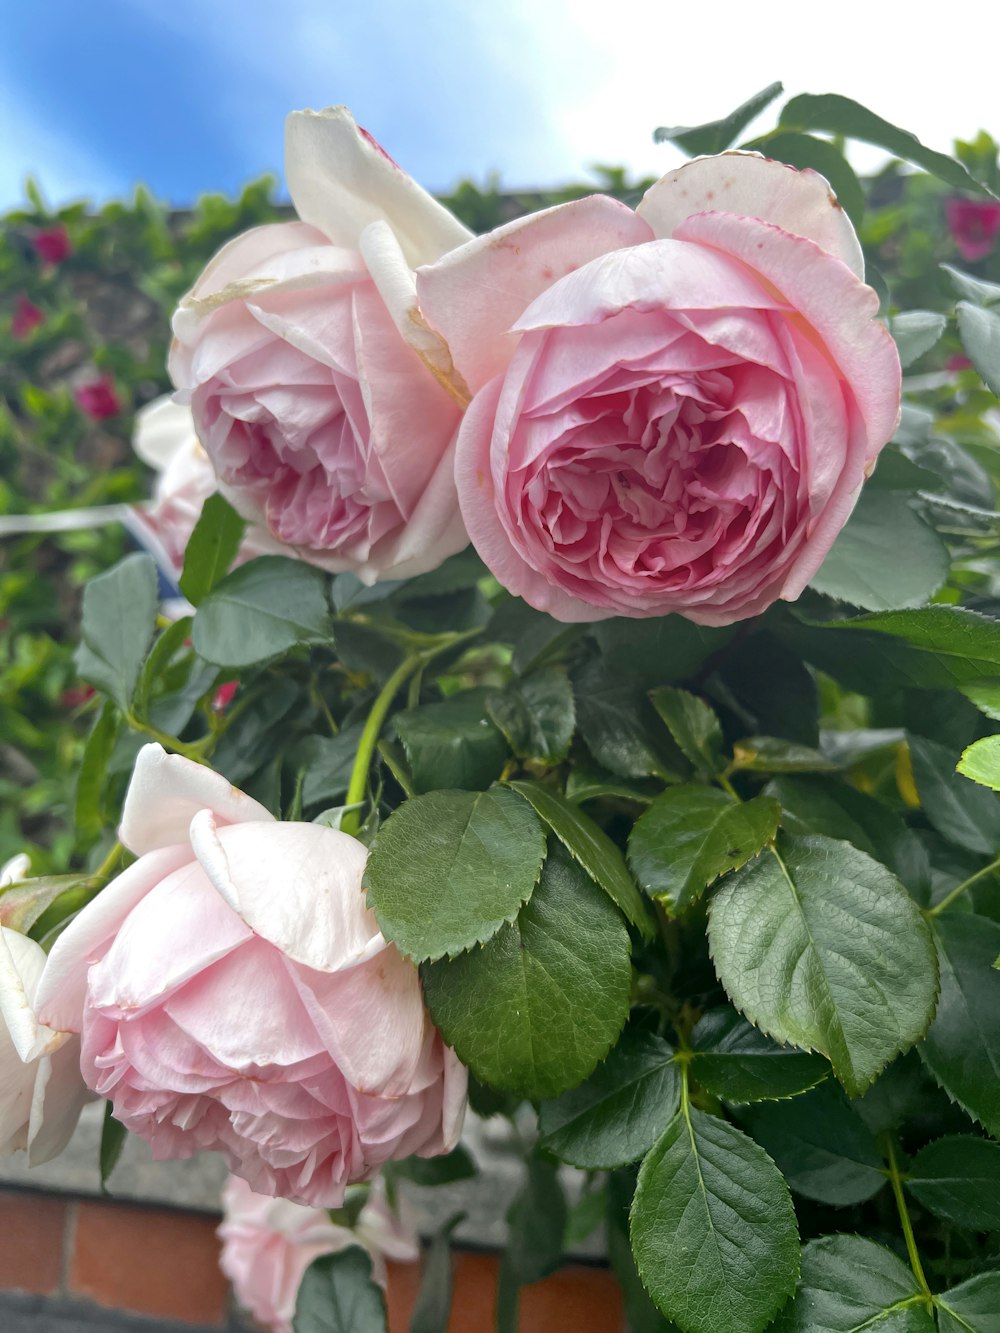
{"points": [[960, 811], [981, 762], [717, 135], [735, 1062], [693, 725], [262, 609], [771, 754], [958, 1178], [211, 548], [979, 330], [850, 1284], [452, 744], [163, 652], [543, 1001], [713, 1230], [119, 611], [338, 1295], [448, 869], [588, 844], [537, 715], [822, 947], [91, 778], [962, 1047], [691, 835], [916, 332], [973, 289], [973, 1307], [617, 1114]]}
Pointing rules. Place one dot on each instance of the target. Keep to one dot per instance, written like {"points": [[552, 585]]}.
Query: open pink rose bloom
{"points": [[675, 408], [233, 992], [321, 397]]}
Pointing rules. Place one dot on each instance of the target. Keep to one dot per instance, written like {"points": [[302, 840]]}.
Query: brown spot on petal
{"points": [[480, 479], [835, 202]]}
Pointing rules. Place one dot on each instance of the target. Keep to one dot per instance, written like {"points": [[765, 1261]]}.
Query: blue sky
{"points": [[190, 95]]}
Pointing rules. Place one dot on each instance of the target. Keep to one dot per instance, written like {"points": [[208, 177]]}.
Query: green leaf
{"points": [[433, 1307], [452, 744], [262, 609], [588, 844], [536, 1223], [985, 694], [958, 1178], [534, 635], [691, 835], [804, 151], [617, 1115], [979, 330], [160, 657], [885, 557], [713, 1230], [832, 808], [91, 778], [822, 947], [717, 135], [367, 650], [448, 869], [620, 727], [211, 548], [973, 289], [962, 812], [848, 1284], [433, 1171], [973, 1307], [735, 1062], [26, 901], [769, 689], [916, 332], [962, 1047], [338, 1295], [823, 1148], [113, 1136], [771, 754], [829, 113], [693, 725], [981, 762], [326, 762], [119, 611], [661, 651], [641, 1314], [538, 1006], [537, 715]]}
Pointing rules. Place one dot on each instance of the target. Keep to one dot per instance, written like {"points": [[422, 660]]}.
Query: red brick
{"points": [[148, 1261], [31, 1242], [586, 1300]]}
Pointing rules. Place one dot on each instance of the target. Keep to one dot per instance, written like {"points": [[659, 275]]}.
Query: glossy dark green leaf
{"points": [[769, 689], [693, 725], [164, 651], [261, 610], [326, 763], [958, 1178], [447, 870], [690, 835], [849, 1284], [979, 330], [717, 135], [824, 1149], [537, 714], [119, 611], [829, 113], [617, 1114], [211, 548], [588, 844], [962, 1047], [620, 726], [663, 651], [961, 811], [543, 1001], [885, 557], [713, 1230], [822, 947], [735, 1062], [973, 1307], [452, 744], [339, 1295]]}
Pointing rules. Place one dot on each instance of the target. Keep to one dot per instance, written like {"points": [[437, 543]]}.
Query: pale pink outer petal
{"points": [[22, 962], [455, 1101], [801, 202], [476, 294], [163, 429], [434, 530], [296, 885], [14, 870], [167, 791], [61, 993], [60, 1096], [340, 180], [474, 477]]}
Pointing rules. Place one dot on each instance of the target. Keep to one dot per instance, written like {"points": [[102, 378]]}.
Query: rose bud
{"points": [[674, 409], [327, 407], [234, 993], [98, 399]]}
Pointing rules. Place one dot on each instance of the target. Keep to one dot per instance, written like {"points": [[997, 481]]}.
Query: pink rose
{"points": [[234, 993], [326, 405], [674, 409], [267, 1245], [52, 244], [974, 225], [26, 318], [98, 399]]}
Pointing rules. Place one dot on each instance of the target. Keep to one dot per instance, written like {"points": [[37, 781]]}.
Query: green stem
{"points": [[103, 871], [896, 1180], [351, 822], [727, 786], [195, 752], [959, 889]]}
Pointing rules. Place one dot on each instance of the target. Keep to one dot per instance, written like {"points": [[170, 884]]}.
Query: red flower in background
{"points": [[98, 399], [27, 317], [52, 244], [974, 224]]}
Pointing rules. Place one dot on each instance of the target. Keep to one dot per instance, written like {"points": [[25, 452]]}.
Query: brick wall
{"points": [[82, 1264]]}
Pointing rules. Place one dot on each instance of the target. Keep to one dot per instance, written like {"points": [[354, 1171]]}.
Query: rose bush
{"points": [[267, 1245], [326, 406], [675, 408], [233, 992]]}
